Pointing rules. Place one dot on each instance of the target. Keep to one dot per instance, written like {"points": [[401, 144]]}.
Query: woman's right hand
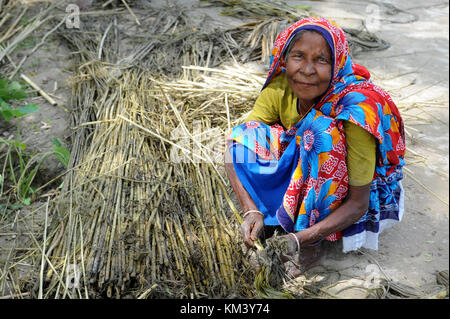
{"points": [[251, 227]]}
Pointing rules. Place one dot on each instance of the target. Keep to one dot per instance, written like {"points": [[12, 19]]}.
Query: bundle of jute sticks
{"points": [[134, 214]]}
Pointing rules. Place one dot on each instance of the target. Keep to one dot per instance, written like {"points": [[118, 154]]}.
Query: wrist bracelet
{"points": [[252, 211], [298, 241]]}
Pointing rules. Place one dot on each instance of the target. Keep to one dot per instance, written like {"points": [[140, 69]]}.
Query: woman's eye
{"points": [[323, 60]]}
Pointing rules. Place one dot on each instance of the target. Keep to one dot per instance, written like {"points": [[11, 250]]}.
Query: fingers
{"points": [[290, 248], [245, 231], [256, 230], [251, 229]]}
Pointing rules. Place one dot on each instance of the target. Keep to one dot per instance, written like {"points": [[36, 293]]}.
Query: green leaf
{"points": [[19, 145], [27, 109], [27, 201], [56, 142], [8, 112], [3, 83], [61, 152], [10, 90]]}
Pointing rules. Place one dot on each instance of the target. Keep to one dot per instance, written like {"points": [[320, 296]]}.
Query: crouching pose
{"points": [[320, 156]]}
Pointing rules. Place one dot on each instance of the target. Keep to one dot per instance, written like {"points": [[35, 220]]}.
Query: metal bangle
{"points": [[296, 239], [252, 211]]}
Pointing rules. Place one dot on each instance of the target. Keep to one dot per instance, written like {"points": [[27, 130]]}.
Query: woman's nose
{"points": [[307, 68]]}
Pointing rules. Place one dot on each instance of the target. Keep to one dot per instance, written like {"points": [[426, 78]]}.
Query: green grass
{"points": [[19, 167]]}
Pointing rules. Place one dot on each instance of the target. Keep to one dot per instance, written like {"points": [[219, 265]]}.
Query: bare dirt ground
{"points": [[414, 70]]}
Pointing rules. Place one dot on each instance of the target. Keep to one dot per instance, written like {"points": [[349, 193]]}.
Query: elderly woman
{"points": [[320, 154]]}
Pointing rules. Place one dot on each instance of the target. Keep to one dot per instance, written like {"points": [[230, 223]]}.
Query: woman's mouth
{"points": [[305, 84]]}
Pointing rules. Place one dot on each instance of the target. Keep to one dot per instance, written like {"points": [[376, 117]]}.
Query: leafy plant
{"points": [[20, 175], [11, 90], [61, 152], [23, 175], [20, 166]]}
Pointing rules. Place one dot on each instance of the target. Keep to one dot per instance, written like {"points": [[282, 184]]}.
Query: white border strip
{"points": [[369, 239]]}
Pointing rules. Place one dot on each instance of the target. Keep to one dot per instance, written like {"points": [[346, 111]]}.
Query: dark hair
{"points": [[295, 39]]}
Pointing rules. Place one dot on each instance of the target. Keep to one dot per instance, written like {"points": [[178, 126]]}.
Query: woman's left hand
{"points": [[290, 247]]}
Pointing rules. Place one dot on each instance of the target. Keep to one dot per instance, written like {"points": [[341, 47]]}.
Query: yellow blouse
{"points": [[277, 103]]}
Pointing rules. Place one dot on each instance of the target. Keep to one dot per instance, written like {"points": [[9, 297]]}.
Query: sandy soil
{"points": [[414, 70]]}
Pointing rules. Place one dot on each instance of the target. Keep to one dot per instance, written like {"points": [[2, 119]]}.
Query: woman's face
{"points": [[309, 68]]}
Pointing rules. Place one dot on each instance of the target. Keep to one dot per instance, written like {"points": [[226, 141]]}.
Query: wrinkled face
{"points": [[309, 68]]}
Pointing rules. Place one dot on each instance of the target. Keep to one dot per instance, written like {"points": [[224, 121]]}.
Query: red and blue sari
{"points": [[298, 176]]}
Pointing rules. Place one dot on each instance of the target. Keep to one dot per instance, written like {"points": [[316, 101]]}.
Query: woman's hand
{"points": [[298, 260], [290, 248], [251, 227]]}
